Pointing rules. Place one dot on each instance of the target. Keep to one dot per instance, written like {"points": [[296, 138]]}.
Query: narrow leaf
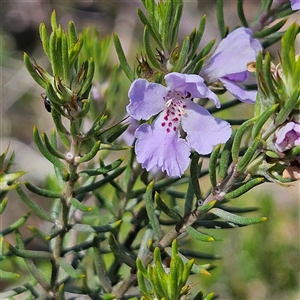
{"points": [[198, 235], [40, 212], [244, 188], [77, 274], [248, 156], [104, 169], [263, 119], [54, 160], [8, 275], [236, 145], [163, 206], [100, 270], [33, 254], [91, 154], [119, 253], [14, 226], [183, 55], [213, 165], [100, 183], [147, 46], [151, 211], [80, 206], [122, 58], [220, 18], [235, 218], [42, 192]]}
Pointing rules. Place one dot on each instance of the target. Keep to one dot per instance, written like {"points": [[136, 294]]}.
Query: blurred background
{"points": [[260, 262]]}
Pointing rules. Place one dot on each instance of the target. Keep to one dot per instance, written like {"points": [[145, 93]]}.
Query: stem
{"points": [[66, 196]]}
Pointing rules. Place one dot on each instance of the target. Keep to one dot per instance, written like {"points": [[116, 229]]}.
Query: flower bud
{"points": [[287, 137]]}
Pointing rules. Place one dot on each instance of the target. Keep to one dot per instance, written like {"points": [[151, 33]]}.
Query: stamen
{"points": [[168, 103]]}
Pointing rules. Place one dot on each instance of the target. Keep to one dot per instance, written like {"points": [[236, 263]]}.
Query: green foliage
{"points": [[165, 283]]}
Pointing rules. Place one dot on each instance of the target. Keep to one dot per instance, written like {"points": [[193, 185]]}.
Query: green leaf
{"points": [[32, 254], [267, 32], [119, 253], [96, 229], [77, 204], [175, 22], [194, 170], [100, 183], [14, 226], [3, 205], [295, 151], [163, 206], [199, 235], [213, 165], [210, 296], [244, 221], [241, 15], [288, 106], [206, 207], [263, 119], [225, 159], [33, 72], [152, 29], [90, 70], [77, 274], [8, 275], [74, 52], [100, 267], [249, 155], [42, 192], [44, 38], [220, 18], [151, 211], [7, 180], [34, 271], [122, 58], [183, 55], [102, 170], [89, 156], [40, 212], [147, 46], [236, 145], [244, 188], [196, 64], [50, 148], [197, 39], [56, 162]]}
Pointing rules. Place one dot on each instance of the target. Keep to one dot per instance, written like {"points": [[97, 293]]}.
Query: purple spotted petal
{"points": [[192, 83], [232, 55], [239, 92], [203, 130], [146, 99], [157, 148], [295, 4]]}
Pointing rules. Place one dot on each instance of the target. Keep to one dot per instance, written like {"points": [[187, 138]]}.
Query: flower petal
{"points": [[203, 130], [232, 55], [194, 84], [239, 92], [295, 4], [146, 99], [288, 136], [155, 147]]}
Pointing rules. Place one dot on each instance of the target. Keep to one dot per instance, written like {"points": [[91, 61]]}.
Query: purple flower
{"points": [[229, 63], [295, 4], [160, 144], [287, 137]]}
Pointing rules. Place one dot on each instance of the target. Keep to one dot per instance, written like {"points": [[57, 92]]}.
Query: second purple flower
{"points": [[181, 126]]}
